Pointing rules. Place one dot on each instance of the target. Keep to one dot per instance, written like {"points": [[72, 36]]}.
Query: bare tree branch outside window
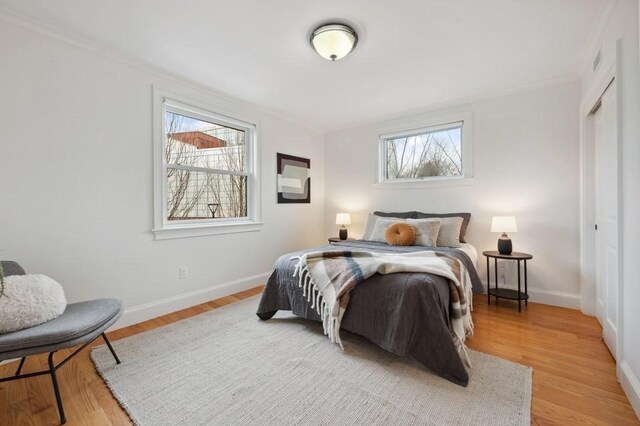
{"points": [[218, 153], [428, 154]]}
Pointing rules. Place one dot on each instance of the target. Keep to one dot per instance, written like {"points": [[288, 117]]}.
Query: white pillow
{"points": [[379, 229], [449, 234], [371, 222], [426, 230], [30, 300]]}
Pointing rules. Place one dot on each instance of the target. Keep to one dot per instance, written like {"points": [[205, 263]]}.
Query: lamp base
{"points": [[504, 244], [343, 233]]}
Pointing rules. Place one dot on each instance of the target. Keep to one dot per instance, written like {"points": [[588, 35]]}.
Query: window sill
{"points": [[427, 183], [201, 230]]}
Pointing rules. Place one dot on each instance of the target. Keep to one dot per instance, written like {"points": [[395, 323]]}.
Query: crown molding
{"points": [[118, 56], [461, 102]]}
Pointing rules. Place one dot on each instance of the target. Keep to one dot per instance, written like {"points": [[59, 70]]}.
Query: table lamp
{"points": [[504, 224], [343, 219]]}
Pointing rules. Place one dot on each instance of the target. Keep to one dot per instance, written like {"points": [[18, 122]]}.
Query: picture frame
{"points": [[293, 179]]}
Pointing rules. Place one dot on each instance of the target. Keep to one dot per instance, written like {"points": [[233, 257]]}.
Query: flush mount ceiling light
{"points": [[334, 41]]}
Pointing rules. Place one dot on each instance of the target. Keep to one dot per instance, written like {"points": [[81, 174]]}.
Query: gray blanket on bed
{"points": [[403, 313]]}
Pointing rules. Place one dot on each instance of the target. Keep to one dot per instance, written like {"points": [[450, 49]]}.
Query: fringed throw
{"points": [[327, 278]]}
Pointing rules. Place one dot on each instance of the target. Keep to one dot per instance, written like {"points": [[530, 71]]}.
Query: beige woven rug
{"points": [[226, 367]]}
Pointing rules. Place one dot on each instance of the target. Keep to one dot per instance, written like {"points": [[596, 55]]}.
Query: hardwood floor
{"points": [[574, 378]]}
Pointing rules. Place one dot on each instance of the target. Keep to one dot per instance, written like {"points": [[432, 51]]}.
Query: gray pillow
{"points": [[466, 217], [402, 215]]}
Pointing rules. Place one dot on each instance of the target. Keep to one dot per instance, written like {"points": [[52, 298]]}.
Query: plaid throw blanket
{"points": [[327, 278]]}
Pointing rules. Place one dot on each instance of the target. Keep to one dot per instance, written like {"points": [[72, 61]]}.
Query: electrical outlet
{"points": [[184, 274]]}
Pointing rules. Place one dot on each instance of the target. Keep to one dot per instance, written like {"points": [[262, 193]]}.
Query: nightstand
{"points": [[337, 239], [506, 293]]}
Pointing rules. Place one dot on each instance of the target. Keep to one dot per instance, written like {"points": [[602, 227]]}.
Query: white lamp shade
{"points": [[334, 41], [343, 219], [504, 224]]}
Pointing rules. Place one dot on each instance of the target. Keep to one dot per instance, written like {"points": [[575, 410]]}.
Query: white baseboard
{"points": [[547, 297], [151, 310], [631, 386], [147, 311]]}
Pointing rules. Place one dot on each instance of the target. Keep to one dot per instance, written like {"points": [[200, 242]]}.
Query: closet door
{"points": [[606, 214]]}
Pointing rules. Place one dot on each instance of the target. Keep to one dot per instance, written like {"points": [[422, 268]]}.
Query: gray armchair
{"points": [[80, 324]]}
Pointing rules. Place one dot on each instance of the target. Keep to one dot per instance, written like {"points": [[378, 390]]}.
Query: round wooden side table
{"points": [[506, 293]]}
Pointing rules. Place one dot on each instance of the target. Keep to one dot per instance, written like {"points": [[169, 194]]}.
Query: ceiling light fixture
{"points": [[334, 41]]}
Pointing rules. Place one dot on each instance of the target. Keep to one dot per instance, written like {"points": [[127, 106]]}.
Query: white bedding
{"points": [[470, 251]]}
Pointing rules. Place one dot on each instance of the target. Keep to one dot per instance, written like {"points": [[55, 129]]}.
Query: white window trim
{"points": [[418, 126], [163, 229]]}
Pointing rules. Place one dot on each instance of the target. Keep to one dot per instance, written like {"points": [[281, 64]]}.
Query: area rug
{"points": [[228, 367]]}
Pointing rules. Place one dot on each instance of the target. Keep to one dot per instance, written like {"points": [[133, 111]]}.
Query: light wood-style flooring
{"points": [[574, 378]]}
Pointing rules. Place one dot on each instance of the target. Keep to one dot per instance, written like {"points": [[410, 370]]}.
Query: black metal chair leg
{"points": [[104, 336], [54, 380], [20, 365]]}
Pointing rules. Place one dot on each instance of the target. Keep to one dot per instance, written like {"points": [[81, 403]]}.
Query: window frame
{"points": [[165, 101], [416, 127]]}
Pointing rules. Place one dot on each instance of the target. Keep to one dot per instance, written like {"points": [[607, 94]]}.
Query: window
{"points": [[206, 171], [437, 152]]}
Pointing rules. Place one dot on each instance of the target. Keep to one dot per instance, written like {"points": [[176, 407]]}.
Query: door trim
{"points": [[610, 72]]}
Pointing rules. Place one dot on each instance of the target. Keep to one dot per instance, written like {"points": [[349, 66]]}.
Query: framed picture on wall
{"points": [[294, 179]]}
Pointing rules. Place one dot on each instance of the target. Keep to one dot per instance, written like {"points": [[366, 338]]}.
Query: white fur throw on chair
{"points": [[30, 300]]}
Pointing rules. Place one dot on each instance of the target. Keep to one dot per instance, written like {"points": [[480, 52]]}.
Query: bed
{"points": [[403, 313]]}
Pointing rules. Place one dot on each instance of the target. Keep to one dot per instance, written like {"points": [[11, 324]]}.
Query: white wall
{"points": [[525, 164], [77, 190], [623, 25]]}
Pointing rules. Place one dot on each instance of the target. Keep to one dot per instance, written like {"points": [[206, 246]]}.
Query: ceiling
{"points": [[412, 54]]}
